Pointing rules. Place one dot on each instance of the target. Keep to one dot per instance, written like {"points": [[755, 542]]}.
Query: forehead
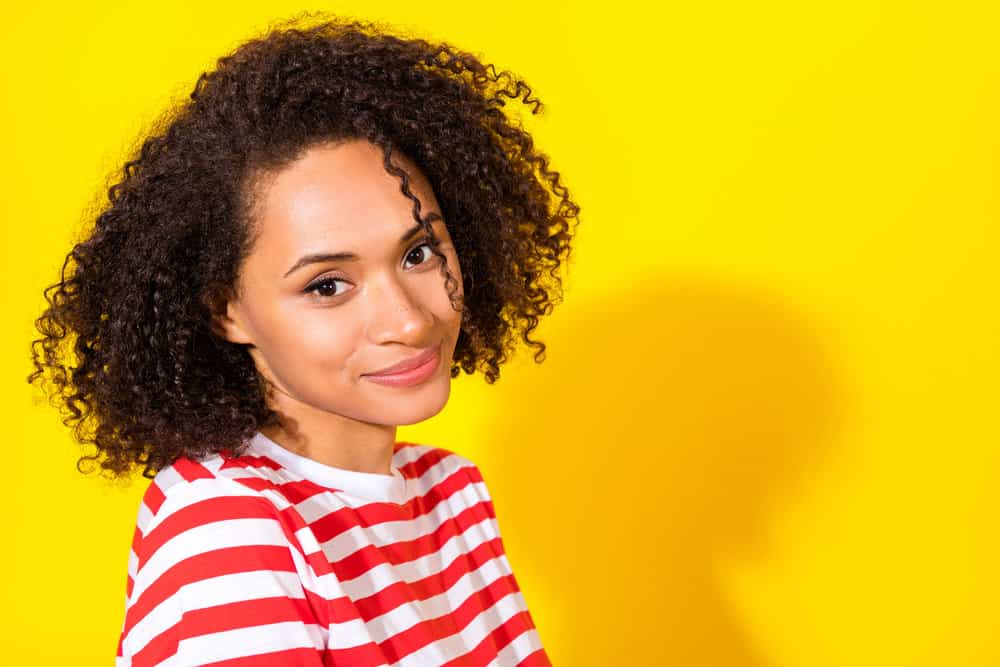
{"points": [[337, 197]]}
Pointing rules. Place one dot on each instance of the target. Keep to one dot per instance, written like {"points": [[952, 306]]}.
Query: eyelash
{"points": [[313, 287]]}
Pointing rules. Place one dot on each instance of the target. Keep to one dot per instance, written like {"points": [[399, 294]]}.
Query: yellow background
{"points": [[766, 430]]}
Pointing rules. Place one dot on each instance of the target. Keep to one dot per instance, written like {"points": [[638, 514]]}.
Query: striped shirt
{"points": [[271, 558]]}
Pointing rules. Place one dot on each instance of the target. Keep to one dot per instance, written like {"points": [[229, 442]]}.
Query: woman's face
{"points": [[318, 325]]}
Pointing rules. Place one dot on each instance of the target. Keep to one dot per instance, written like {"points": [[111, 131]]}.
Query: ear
{"points": [[227, 318]]}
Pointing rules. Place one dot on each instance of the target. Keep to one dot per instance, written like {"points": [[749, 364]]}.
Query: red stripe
{"points": [[249, 461], [293, 657], [365, 655], [136, 539], [153, 497], [428, 460], [191, 470], [294, 491]]}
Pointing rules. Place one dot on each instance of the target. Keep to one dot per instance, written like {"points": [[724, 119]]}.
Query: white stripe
{"points": [[167, 477], [276, 498], [133, 563], [212, 463], [348, 635], [317, 506], [144, 515], [307, 540], [409, 454], [270, 475]]}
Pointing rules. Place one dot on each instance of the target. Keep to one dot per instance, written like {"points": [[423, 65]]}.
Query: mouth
{"points": [[411, 371]]}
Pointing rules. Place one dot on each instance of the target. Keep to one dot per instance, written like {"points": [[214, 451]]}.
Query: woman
{"points": [[299, 259]]}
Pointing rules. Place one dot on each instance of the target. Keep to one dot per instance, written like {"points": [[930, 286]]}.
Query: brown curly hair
{"points": [[127, 351]]}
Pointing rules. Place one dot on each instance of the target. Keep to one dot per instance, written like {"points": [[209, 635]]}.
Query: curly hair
{"points": [[127, 351]]}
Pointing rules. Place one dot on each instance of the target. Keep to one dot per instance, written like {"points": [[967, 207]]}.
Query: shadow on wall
{"points": [[656, 437]]}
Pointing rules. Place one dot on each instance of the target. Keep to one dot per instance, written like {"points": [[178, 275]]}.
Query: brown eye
{"points": [[325, 288], [416, 248]]}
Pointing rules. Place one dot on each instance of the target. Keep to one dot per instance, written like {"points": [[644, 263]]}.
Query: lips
{"points": [[407, 364]]}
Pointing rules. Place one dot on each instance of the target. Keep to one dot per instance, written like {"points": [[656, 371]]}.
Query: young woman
{"points": [[298, 259]]}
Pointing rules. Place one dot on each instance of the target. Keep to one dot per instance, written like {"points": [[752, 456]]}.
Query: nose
{"points": [[398, 313]]}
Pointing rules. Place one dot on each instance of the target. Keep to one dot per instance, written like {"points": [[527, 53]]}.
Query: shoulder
{"points": [[210, 551], [424, 456], [189, 503], [439, 465], [186, 482]]}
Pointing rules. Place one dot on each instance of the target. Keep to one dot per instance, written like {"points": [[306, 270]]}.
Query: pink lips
{"points": [[410, 371]]}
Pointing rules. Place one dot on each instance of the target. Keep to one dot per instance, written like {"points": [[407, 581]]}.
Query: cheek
{"points": [[319, 341], [305, 341]]}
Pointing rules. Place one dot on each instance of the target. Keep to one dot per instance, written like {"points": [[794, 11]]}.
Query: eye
{"points": [[325, 287], [425, 244]]}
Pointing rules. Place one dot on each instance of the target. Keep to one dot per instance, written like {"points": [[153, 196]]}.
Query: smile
{"points": [[412, 376]]}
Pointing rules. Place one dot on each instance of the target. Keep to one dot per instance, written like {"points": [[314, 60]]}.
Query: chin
{"points": [[412, 405]]}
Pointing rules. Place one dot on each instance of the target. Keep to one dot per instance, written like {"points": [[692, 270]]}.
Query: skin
{"points": [[392, 304]]}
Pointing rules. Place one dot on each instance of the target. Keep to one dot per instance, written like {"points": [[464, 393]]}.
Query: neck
{"points": [[346, 444]]}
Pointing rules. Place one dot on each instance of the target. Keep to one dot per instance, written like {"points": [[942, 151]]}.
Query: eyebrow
{"points": [[317, 257]]}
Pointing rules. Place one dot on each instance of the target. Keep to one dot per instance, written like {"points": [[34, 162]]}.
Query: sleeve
{"points": [[481, 490], [218, 580]]}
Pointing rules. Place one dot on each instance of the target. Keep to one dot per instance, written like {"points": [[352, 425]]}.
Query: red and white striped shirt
{"points": [[271, 558]]}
